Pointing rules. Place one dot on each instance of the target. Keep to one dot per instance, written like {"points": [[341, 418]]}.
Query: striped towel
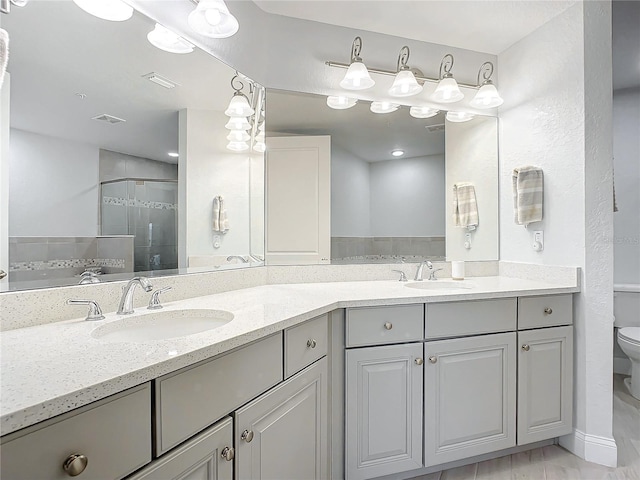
{"points": [[528, 193], [465, 207], [220, 223]]}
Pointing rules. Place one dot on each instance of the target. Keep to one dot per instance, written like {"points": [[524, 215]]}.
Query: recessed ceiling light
{"points": [[173, 154], [397, 153]]}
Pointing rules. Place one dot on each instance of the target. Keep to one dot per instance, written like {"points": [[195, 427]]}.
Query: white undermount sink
{"points": [[440, 285], [162, 325]]}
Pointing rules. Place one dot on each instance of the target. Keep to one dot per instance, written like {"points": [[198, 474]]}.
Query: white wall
{"points": [[556, 84], [350, 215], [53, 186], [208, 169], [626, 155], [407, 197]]}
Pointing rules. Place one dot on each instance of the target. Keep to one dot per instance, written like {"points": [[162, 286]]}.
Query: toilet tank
{"points": [[626, 305]]}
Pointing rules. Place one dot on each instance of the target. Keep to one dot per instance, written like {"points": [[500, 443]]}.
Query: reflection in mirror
{"points": [[117, 150], [391, 208]]}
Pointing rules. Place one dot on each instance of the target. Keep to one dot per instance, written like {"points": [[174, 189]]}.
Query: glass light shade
{"points": [[164, 39], [447, 91], [405, 85], [237, 123], [19, 3], [238, 136], [113, 10], [260, 136], [423, 112], [259, 147], [383, 107], [238, 146], [357, 77], [239, 107], [212, 18], [486, 97], [459, 117], [341, 102]]}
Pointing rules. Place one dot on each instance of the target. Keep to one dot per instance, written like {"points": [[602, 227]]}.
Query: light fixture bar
{"points": [[394, 73]]}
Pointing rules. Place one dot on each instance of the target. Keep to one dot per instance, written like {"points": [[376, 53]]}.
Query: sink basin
{"points": [[440, 285], [162, 325]]}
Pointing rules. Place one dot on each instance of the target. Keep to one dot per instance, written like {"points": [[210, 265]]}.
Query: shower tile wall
{"points": [[386, 248]]}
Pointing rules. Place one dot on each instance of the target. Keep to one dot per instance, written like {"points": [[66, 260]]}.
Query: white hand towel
{"points": [[4, 53], [465, 207], [528, 194], [215, 225]]}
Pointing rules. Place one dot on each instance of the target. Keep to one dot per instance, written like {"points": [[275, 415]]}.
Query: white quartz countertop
{"points": [[51, 369]]}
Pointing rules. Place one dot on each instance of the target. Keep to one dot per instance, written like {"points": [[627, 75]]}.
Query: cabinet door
{"points": [[545, 384], [298, 200], [202, 458], [470, 397], [282, 435], [383, 410]]}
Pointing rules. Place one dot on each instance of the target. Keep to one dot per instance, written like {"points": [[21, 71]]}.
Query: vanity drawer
{"points": [[195, 397], [458, 319], [113, 434], [305, 343], [381, 325], [545, 311]]}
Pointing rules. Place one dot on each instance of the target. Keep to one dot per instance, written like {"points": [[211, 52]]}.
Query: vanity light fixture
{"points": [[397, 153], [405, 83], [112, 10], [357, 76], [259, 147], [459, 117], [164, 39], [383, 107], [19, 3], [238, 146], [423, 112], [487, 95], [238, 136], [239, 104], [212, 18], [340, 102], [447, 90], [238, 123]]}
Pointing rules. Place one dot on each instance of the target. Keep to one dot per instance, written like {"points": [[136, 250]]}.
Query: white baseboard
{"points": [[621, 365], [592, 448]]}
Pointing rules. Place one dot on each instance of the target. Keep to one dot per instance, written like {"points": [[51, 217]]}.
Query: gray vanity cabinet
{"points": [[207, 456], [283, 433], [470, 396]]}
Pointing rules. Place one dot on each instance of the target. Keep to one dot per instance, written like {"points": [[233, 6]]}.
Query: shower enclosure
{"points": [[148, 210]]}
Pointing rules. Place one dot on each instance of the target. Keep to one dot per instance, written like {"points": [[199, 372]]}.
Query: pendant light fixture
{"points": [[239, 104], [405, 83], [459, 117], [340, 102], [447, 90], [423, 112], [357, 76], [164, 39], [383, 107], [487, 96], [112, 10], [212, 18]]}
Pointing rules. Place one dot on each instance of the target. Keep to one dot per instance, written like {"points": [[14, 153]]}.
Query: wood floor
{"points": [[555, 463]]}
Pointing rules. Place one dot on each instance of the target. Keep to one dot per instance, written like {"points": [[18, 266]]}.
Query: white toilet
{"points": [[626, 308]]}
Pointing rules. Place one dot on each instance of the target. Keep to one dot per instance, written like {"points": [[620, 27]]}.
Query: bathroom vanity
{"points": [[418, 378]]}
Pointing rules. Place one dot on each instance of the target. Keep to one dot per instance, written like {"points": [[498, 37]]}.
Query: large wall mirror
{"points": [[393, 178], [117, 150]]}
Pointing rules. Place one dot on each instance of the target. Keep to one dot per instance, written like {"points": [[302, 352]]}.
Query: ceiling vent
{"points": [[108, 118], [435, 128], [160, 80]]}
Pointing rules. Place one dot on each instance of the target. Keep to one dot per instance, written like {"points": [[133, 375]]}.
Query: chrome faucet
{"points": [[239, 257], [432, 274], [126, 302], [428, 264]]}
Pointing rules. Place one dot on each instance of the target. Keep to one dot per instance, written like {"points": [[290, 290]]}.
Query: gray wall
{"points": [[349, 195]]}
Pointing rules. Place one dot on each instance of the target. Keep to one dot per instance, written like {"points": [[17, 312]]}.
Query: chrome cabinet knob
{"points": [[525, 348], [247, 436], [548, 311], [228, 454], [433, 359], [2, 274], [311, 343], [419, 361], [388, 325], [75, 464]]}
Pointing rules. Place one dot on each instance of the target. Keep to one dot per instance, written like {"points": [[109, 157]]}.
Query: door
{"points": [[545, 384], [298, 200], [207, 456], [470, 397], [383, 410], [282, 435]]}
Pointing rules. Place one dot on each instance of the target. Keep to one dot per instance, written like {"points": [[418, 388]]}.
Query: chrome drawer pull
{"points": [[548, 311], [433, 359], [75, 464], [525, 348], [388, 325], [228, 454], [419, 361], [247, 436], [311, 343]]}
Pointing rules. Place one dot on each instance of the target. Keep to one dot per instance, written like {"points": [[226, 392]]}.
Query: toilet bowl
{"points": [[626, 303]]}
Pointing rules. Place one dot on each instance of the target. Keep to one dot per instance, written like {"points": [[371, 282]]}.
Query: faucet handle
{"points": [[403, 276], [154, 302], [432, 275], [95, 313]]}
